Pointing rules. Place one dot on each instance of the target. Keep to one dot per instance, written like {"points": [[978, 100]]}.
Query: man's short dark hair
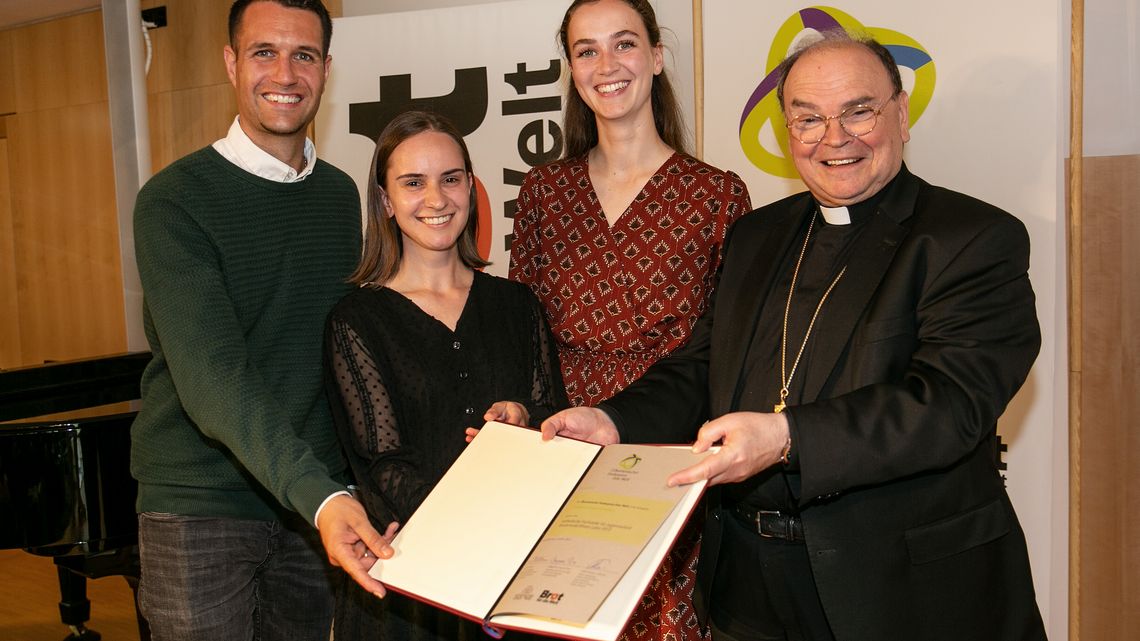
{"points": [[835, 38], [316, 6]]}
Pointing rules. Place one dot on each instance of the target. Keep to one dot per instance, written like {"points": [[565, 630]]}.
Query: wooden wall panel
{"points": [[7, 75], [185, 121], [60, 63], [189, 106], [187, 52], [66, 234], [9, 322], [1109, 518]]}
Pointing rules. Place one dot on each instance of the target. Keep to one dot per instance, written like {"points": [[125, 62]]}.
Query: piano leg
{"points": [[74, 608], [73, 571]]}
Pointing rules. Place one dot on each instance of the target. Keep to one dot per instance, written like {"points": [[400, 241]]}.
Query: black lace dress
{"points": [[403, 387]]}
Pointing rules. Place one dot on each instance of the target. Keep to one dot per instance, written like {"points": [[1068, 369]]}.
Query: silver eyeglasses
{"points": [[857, 120]]}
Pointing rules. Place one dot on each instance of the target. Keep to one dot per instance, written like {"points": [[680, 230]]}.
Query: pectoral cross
{"points": [[779, 407]]}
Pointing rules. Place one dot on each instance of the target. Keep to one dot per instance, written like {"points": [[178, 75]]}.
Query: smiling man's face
{"points": [[841, 169], [279, 72]]}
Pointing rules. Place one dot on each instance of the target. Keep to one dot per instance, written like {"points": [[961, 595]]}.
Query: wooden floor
{"points": [[29, 602]]}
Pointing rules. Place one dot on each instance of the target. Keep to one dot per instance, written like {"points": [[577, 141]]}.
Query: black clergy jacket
{"points": [[930, 333]]}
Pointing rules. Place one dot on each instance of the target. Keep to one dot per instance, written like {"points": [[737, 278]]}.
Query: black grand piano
{"points": [[65, 485]]}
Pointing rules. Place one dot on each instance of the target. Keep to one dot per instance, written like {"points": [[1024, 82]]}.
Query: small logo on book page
{"points": [[546, 596], [629, 462]]}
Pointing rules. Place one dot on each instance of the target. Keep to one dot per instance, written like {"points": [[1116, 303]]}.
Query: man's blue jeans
{"points": [[233, 580]]}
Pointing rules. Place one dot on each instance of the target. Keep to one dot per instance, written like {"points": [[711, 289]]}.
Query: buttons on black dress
{"points": [[463, 376]]}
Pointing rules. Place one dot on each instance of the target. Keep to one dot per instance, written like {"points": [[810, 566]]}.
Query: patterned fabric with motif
{"points": [[619, 298]]}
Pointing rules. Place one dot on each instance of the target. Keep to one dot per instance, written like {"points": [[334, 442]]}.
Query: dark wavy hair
{"points": [[836, 38], [579, 126], [237, 10], [383, 243]]}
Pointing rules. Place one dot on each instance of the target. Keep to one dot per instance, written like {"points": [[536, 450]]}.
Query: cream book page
{"points": [[610, 618], [604, 526], [460, 548]]}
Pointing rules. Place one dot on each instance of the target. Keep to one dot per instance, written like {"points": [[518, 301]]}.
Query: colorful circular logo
{"points": [[761, 119]]}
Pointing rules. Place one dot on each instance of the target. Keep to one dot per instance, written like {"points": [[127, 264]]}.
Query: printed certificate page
{"points": [[476, 527], [605, 525]]}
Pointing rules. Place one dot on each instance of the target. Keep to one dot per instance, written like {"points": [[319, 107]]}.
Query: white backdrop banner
{"points": [[985, 120], [494, 69]]}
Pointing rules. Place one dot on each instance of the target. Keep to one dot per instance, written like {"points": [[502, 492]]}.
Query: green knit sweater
{"points": [[238, 274]]}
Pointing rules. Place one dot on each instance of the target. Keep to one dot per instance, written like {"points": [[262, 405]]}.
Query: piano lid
{"points": [[70, 385]]}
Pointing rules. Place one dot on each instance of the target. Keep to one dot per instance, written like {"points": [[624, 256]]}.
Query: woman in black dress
{"points": [[422, 349]]}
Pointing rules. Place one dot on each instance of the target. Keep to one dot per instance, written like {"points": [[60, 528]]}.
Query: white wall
{"points": [[1112, 78]]}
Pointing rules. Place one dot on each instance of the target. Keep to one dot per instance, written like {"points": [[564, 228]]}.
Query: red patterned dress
{"points": [[620, 297]]}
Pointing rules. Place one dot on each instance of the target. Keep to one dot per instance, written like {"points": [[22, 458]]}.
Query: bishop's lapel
{"points": [[870, 258], [742, 294]]}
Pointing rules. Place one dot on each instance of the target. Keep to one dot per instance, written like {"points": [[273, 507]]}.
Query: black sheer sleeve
{"points": [[388, 476], [548, 394]]}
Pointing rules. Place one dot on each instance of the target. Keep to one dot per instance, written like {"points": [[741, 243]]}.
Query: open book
{"points": [[558, 537]]}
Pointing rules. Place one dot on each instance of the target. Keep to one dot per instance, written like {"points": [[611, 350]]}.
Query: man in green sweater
{"points": [[242, 248]]}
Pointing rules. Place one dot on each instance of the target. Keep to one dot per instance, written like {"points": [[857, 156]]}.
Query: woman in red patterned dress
{"points": [[621, 239]]}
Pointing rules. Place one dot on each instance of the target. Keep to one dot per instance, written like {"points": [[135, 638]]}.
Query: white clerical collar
{"points": [[835, 215], [237, 148]]}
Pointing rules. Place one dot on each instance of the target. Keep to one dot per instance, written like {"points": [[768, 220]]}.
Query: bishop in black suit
{"points": [[864, 339]]}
